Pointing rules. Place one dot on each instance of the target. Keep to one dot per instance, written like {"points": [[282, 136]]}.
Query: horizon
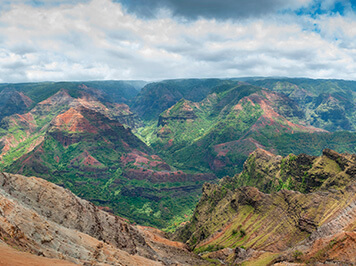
{"points": [[172, 79]]}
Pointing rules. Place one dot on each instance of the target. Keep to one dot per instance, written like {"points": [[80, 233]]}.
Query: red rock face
{"points": [[154, 169], [87, 162], [54, 103], [25, 120], [269, 102], [72, 120], [140, 158], [65, 139], [69, 115]]}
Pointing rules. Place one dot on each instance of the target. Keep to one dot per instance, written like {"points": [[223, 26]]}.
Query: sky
{"points": [[53, 40]]}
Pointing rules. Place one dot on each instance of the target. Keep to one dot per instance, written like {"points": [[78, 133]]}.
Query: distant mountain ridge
{"points": [[156, 97]]}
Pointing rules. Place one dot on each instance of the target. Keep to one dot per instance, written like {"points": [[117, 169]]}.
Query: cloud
{"points": [[99, 39], [218, 9]]}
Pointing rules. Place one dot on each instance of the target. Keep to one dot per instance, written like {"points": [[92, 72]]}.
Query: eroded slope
{"points": [[249, 225], [39, 217]]}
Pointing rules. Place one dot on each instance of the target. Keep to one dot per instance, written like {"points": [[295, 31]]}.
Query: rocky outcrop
{"points": [[327, 104], [286, 225], [60, 111], [50, 221], [60, 206], [303, 173]]}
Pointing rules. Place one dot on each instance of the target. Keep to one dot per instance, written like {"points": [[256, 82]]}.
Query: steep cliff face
{"points": [[49, 221], [249, 225], [86, 129]]}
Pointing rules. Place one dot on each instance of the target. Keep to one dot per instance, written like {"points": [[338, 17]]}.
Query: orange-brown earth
{"points": [[11, 257], [46, 220], [73, 120], [272, 117]]}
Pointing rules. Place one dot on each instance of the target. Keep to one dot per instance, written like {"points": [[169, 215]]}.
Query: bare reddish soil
{"points": [[12, 257]]}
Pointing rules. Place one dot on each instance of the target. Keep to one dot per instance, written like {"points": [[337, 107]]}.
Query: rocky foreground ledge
{"points": [[49, 221]]}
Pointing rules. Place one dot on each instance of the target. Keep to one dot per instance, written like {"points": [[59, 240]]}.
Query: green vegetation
{"points": [[198, 126], [297, 255], [156, 97], [112, 90], [233, 216], [90, 165], [139, 200], [242, 232], [327, 104], [209, 248], [217, 133], [190, 131]]}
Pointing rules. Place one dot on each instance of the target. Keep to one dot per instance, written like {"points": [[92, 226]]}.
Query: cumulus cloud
{"points": [[99, 39]]}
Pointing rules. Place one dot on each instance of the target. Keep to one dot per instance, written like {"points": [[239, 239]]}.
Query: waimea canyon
{"points": [[178, 172]]}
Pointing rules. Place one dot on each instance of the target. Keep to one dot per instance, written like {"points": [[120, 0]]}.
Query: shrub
{"points": [[297, 255]]}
